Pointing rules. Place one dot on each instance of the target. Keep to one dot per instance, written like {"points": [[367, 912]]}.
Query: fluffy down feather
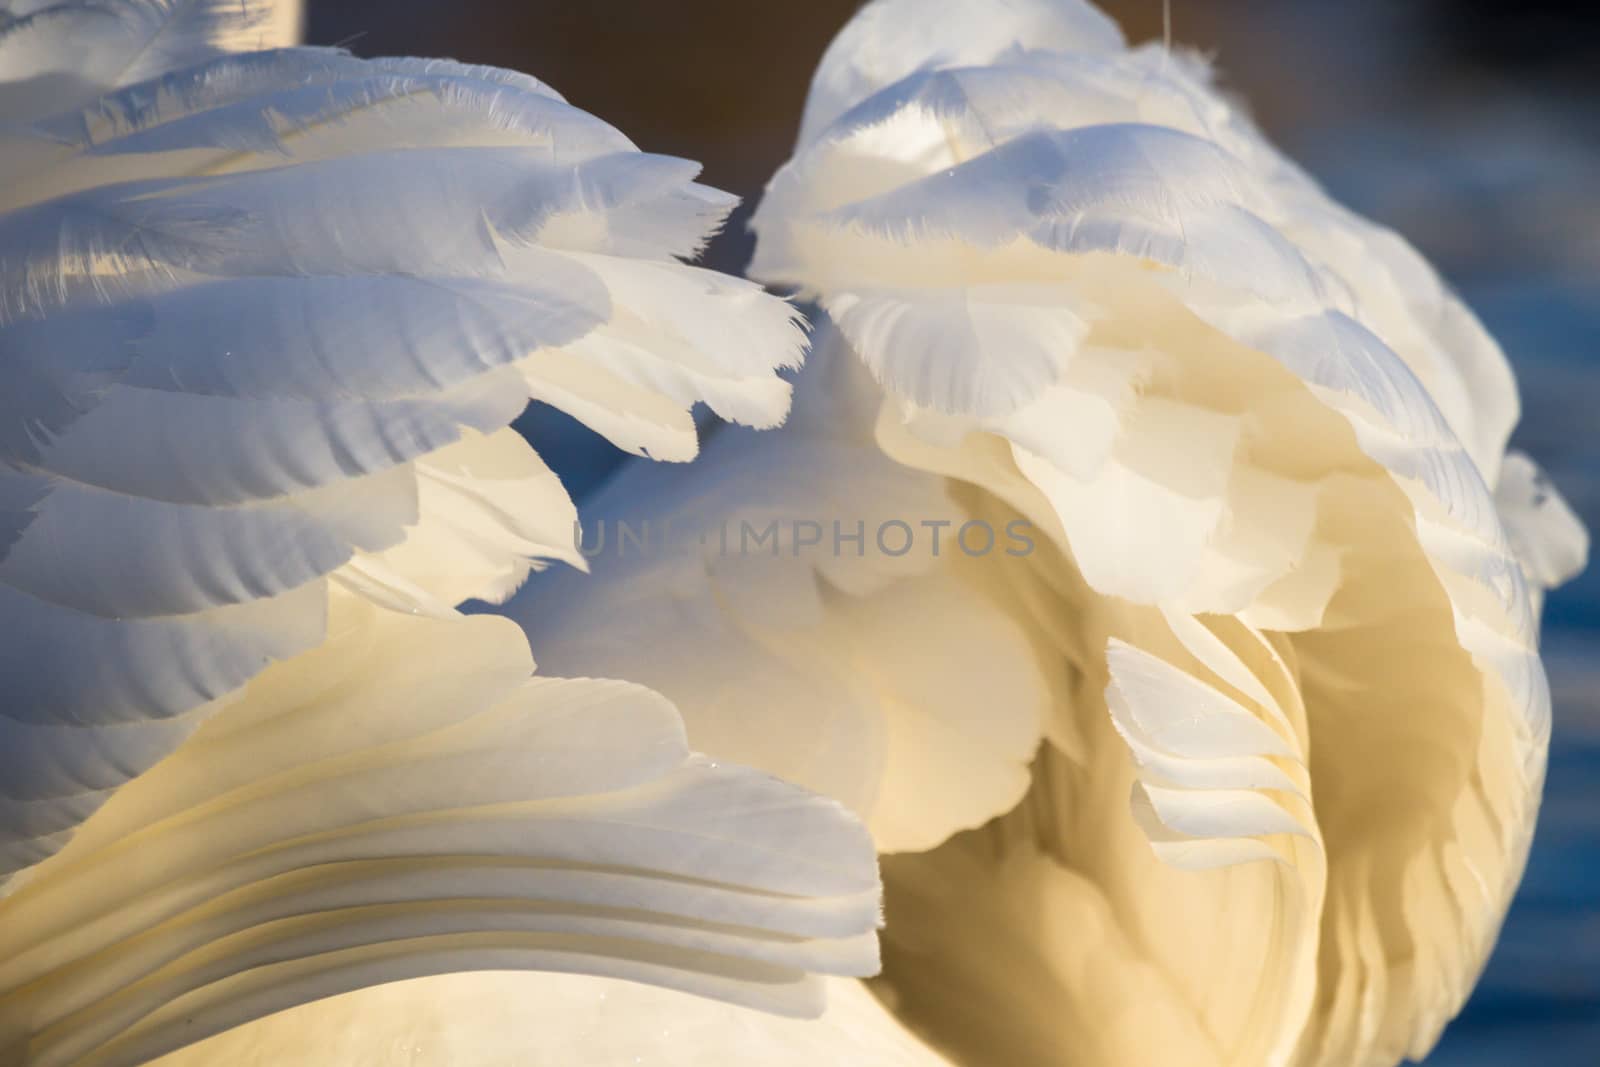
{"points": [[806, 604]]}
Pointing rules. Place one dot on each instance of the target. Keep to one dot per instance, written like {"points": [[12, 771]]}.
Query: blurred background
{"points": [[1471, 126]]}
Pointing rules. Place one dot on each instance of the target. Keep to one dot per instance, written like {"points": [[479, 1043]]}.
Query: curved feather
{"points": [[244, 374], [265, 321], [889, 41], [455, 814], [769, 590], [53, 53], [542, 1020], [1252, 404]]}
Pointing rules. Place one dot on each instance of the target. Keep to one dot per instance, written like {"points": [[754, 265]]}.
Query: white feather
{"points": [[265, 321], [1271, 415], [453, 816], [833, 663], [53, 54]]}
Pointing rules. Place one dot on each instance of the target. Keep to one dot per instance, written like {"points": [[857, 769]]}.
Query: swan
{"points": [[1234, 758], [267, 314], [1265, 790], [1240, 764]]}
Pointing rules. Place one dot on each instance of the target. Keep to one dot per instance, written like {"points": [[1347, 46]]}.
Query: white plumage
{"points": [[1294, 721], [535, 1019], [802, 632], [266, 319], [1263, 436], [1237, 763]]}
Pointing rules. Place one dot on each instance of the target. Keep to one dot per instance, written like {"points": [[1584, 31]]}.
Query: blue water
{"points": [[1539, 1002]]}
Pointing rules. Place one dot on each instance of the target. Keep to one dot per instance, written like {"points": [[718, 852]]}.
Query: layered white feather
{"points": [[265, 320], [1089, 288], [810, 606], [405, 801], [544, 1020], [245, 302], [55, 52]]}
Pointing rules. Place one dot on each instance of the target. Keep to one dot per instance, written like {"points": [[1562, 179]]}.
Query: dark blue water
{"points": [[1539, 1001]]}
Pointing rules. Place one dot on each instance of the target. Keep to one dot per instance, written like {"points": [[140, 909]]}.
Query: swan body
{"points": [[1236, 762]]}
